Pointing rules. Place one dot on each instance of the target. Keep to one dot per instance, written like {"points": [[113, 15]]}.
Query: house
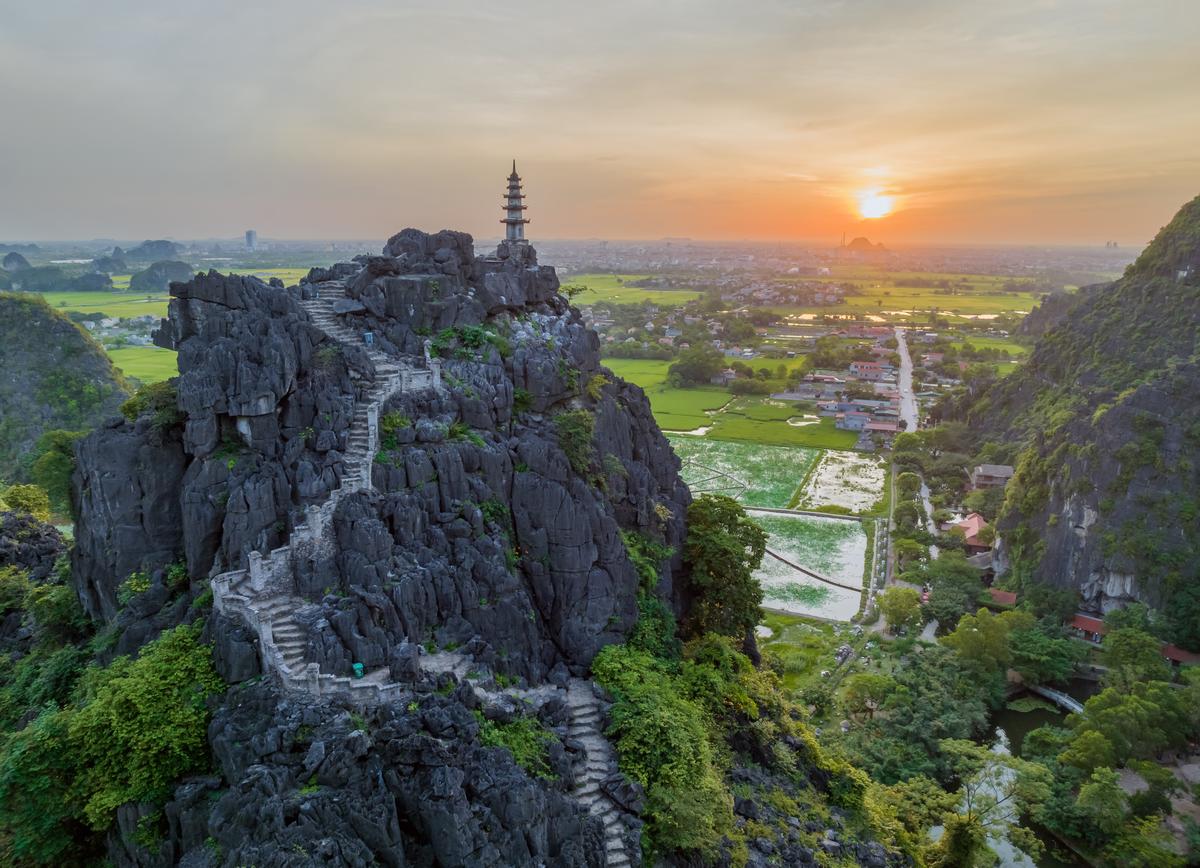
{"points": [[871, 371], [1002, 598], [991, 475], [971, 526], [932, 358], [1088, 627], [887, 429], [724, 378], [852, 421], [1093, 629]]}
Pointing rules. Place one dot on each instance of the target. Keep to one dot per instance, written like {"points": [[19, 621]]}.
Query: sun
{"points": [[872, 203]]}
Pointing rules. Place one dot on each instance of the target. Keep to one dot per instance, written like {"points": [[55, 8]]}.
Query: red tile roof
{"points": [[1003, 598], [1088, 624], [1174, 652]]}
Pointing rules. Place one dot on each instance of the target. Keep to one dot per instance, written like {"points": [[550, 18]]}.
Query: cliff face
{"points": [[478, 525], [487, 528], [1105, 419], [54, 375]]}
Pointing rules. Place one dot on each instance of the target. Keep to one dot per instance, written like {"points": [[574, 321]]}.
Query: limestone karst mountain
{"points": [[347, 580], [54, 376], [1103, 424]]}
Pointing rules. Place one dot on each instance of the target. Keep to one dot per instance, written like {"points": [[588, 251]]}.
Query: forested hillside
{"points": [[1103, 426], [52, 376]]}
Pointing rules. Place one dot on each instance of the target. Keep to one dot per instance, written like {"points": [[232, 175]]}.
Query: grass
{"points": [[289, 276], [613, 287], [674, 409], [750, 418], [735, 424], [148, 364], [118, 304], [805, 646], [982, 343], [769, 474]]}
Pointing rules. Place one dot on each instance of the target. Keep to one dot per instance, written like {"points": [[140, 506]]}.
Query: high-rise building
{"points": [[251, 239], [514, 218]]}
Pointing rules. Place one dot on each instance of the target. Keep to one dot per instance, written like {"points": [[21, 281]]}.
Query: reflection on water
{"points": [[1012, 727]]}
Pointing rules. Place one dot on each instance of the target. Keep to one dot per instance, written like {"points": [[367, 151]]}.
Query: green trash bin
{"points": [[358, 670]]}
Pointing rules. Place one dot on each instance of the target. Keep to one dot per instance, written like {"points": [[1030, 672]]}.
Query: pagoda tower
{"points": [[514, 220]]}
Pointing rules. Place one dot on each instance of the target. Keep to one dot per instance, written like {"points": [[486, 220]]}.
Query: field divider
{"points": [[811, 574], [794, 500], [811, 512]]}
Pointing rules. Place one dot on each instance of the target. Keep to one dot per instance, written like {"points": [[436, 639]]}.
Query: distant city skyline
{"points": [[1035, 121]]}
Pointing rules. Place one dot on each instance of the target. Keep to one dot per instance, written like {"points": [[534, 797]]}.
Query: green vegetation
{"points": [[617, 288], [159, 401], [753, 474], [126, 732], [53, 462], [724, 548], [29, 499], [575, 429], [146, 364], [524, 737]]}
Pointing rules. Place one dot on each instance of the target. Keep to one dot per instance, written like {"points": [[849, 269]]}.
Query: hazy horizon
{"points": [[1045, 123]]}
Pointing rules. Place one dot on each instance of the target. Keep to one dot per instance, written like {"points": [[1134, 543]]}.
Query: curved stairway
{"points": [[584, 727], [263, 594]]}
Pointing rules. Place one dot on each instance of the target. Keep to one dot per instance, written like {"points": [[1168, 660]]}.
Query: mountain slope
{"points": [[52, 375], [1104, 425]]}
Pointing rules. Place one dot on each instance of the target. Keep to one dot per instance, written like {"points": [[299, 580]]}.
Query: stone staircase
{"points": [[263, 595], [584, 727]]}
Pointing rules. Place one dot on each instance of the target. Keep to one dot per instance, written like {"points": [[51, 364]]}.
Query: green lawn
{"points": [[118, 304], [674, 409], [751, 418], [612, 287], [754, 421], [981, 343], [148, 364], [805, 646], [756, 475], [289, 276]]}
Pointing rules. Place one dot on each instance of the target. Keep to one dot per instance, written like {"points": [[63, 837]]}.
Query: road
{"points": [[908, 399], [908, 412]]}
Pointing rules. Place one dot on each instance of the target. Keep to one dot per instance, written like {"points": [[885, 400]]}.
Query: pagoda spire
{"points": [[514, 206]]}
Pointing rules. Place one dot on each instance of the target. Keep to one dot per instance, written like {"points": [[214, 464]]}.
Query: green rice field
{"points": [[713, 411], [148, 364], [754, 474], [118, 304], [614, 288]]}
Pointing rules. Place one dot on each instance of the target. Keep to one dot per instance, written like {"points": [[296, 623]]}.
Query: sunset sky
{"points": [[1024, 120]]}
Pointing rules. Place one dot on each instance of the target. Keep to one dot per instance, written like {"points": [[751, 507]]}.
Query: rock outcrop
{"points": [[1103, 424], [485, 521], [14, 261], [159, 276]]}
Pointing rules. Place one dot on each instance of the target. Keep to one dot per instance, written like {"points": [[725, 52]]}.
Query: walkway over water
{"points": [[1058, 698]]}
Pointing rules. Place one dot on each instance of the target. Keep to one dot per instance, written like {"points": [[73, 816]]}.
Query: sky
{"points": [[1047, 121]]}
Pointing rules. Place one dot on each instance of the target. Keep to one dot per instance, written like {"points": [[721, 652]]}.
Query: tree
{"points": [[1088, 751], [954, 588], [996, 790], [1132, 655], [1143, 843], [696, 365], [52, 466], [908, 484], [1040, 657], [909, 551], [27, 498], [865, 692], [1149, 718], [1103, 801], [901, 607], [981, 639], [1183, 616], [723, 549]]}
